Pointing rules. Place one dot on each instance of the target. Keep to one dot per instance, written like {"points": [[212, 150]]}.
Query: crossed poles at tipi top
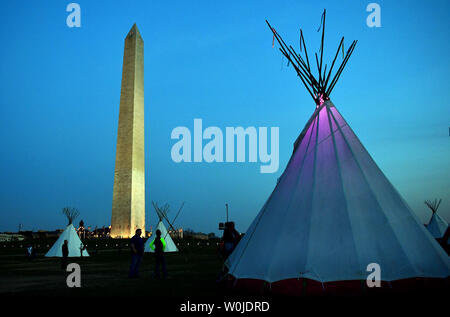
{"points": [[162, 214]]}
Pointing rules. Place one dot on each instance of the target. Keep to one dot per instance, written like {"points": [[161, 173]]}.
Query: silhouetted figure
{"points": [[230, 239], [29, 251], [82, 248], [65, 254], [159, 245], [137, 251], [33, 252]]}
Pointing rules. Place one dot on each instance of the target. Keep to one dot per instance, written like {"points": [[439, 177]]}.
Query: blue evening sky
{"points": [[60, 92]]}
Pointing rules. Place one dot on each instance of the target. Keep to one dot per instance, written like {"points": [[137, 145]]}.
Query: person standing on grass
{"points": [[33, 252], [137, 251], [230, 239], [29, 251], [65, 254], [159, 245], [82, 248]]}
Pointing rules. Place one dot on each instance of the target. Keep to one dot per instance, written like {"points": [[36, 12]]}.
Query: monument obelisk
{"points": [[128, 207]]}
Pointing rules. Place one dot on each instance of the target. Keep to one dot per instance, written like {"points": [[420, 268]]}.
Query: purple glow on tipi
{"points": [[332, 213]]}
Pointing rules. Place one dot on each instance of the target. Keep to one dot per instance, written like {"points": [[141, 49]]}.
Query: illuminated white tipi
{"points": [[162, 214], [170, 245], [333, 212], [74, 244]]}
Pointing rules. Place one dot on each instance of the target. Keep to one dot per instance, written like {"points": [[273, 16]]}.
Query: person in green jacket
{"points": [[159, 245]]}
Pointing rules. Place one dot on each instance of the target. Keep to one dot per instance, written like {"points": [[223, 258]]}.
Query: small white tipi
{"points": [[437, 226], [74, 242], [170, 245]]}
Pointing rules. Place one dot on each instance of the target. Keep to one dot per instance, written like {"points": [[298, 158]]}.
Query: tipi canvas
{"points": [[74, 242], [333, 214], [336, 213], [437, 226], [170, 245]]}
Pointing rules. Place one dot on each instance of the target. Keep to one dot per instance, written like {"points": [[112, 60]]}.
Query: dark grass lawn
{"points": [[193, 272]]}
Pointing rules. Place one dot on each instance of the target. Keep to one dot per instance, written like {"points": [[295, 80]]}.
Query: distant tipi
{"points": [[333, 212], [170, 245], [162, 214], [76, 247], [437, 226]]}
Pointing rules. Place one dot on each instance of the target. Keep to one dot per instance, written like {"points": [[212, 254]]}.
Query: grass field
{"points": [[192, 274], [192, 271]]}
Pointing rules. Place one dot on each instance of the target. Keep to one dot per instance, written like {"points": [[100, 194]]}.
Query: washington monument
{"points": [[128, 207]]}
